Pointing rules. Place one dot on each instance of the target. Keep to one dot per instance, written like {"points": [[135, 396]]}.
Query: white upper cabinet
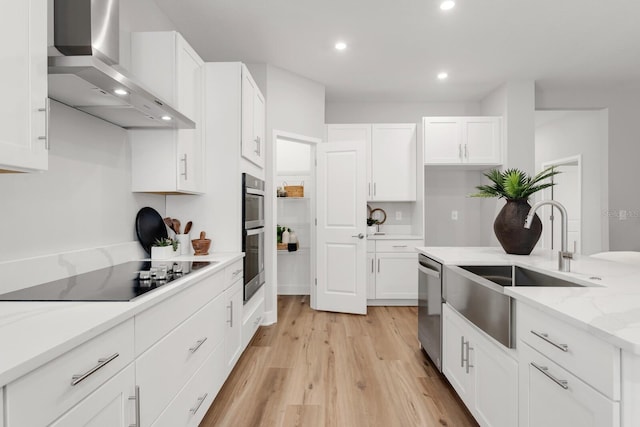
{"points": [[169, 160], [391, 157], [393, 162], [253, 120], [24, 110], [462, 140]]}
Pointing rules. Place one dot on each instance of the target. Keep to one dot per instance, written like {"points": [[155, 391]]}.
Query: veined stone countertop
{"points": [[33, 333], [608, 306]]}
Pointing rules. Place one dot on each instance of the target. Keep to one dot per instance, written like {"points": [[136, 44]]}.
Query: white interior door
{"points": [[341, 235]]}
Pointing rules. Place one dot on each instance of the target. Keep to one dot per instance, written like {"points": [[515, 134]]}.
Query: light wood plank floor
{"points": [[328, 369]]}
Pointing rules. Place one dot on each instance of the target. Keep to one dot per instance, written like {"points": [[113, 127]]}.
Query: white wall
{"points": [[84, 200], [623, 105], [562, 134]]}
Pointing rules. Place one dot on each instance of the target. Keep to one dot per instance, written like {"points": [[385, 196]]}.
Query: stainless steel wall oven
{"points": [[252, 234]]}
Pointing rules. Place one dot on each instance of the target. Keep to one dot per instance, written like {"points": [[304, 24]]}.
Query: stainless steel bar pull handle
{"points": [[236, 272], [462, 352], [466, 151], [197, 345], [546, 338], [372, 265], [359, 236], [77, 379], [137, 407], [460, 151], [399, 246], [369, 189], [469, 348], [374, 188], [378, 265], [562, 383], [45, 110], [201, 400], [230, 307], [184, 159]]}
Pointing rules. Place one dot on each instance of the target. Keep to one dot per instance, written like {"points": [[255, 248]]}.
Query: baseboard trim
{"points": [[293, 290], [393, 302]]}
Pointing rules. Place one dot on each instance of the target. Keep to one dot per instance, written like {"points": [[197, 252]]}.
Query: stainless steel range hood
{"points": [[84, 74]]}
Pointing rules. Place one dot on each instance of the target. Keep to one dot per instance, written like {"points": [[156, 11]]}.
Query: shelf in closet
{"points": [[284, 251]]}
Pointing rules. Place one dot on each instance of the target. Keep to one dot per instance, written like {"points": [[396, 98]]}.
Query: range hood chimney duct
{"points": [[84, 72]]}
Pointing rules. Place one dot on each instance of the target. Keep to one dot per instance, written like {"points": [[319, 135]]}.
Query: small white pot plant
{"points": [[164, 248]]}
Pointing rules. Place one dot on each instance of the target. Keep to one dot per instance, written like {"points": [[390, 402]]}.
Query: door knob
{"points": [[359, 236]]}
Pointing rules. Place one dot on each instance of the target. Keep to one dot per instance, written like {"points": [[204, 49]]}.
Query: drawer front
{"points": [[553, 397], [592, 360], [44, 394], [168, 365], [252, 320], [192, 402], [397, 246], [233, 273], [159, 320]]}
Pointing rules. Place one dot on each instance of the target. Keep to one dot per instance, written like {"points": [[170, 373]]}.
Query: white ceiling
{"points": [[396, 47]]}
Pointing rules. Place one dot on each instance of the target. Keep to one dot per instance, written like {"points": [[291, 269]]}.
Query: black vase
{"points": [[510, 231]]}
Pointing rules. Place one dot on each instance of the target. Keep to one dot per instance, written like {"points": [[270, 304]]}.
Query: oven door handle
{"points": [[255, 231], [255, 191]]}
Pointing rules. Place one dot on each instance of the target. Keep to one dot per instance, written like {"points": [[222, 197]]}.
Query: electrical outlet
{"points": [[454, 215], [398, 215]]}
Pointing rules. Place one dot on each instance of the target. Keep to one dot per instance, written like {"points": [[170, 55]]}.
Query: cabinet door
{"points": [[495, 400], [259, 126], [371, 275], [111, 405], [393, 162], [396, 276], [481, 136], [442, 140], [354, 132], [233, 333], [252, 120], [456, 336], [24, 110], [189, 90], [550, 396]]}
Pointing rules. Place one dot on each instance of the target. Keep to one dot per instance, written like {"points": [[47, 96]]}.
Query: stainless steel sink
{"points": [[506, 275], [477, 292]]}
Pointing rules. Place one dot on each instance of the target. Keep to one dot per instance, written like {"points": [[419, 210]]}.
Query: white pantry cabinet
{"points": [[253, 120], [462, 141], [169, 160], [481, 371], [391, 157], [24, 144], [114, 404]]}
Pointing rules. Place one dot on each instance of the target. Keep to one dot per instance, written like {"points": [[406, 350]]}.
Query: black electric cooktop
{"points": [[120, 282]]}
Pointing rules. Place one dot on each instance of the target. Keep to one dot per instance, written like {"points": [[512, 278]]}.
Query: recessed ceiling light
{"points": [[121, 92], [341, 45], [166, 118], [442, 76], [447, 4]]}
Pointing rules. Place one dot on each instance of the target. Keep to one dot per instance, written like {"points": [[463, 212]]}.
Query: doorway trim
{"points": [[271, 218]]}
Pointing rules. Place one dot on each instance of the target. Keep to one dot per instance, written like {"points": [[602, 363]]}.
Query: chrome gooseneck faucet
{"points": [[564, 256]]}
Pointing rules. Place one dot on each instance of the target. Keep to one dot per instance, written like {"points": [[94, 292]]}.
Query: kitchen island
{"points": [[585, 338]]}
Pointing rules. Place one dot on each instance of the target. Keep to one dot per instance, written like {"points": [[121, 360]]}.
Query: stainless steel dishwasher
{"points": [[430, 308]]}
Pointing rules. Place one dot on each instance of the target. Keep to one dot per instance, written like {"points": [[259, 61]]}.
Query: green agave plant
{"points": [[514, 184]]}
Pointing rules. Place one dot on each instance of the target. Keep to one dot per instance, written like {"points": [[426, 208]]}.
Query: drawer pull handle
{"points": [[257, 322], [137, 399], [77, 379], [562, 383], [235, 273], [545, 337], [399, 246], [197, 345], [198, 403], [462, 344]]}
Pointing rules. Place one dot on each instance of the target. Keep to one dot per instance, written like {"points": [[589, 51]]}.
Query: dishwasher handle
{"points": [[428, 271]]}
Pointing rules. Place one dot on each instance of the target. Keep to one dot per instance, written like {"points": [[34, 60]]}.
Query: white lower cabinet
{"points": [[111, 405], [253, 313], [191, 404], [391, 272], [233, 332], [483, 373], [178, 356], [551, 396]]}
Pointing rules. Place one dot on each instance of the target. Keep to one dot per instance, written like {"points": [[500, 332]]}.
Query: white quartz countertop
{"points": [[33, 333], [607, 307]]}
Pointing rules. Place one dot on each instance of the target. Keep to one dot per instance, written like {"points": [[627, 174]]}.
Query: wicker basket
{"points": [[282, 246], [294, 190]]}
